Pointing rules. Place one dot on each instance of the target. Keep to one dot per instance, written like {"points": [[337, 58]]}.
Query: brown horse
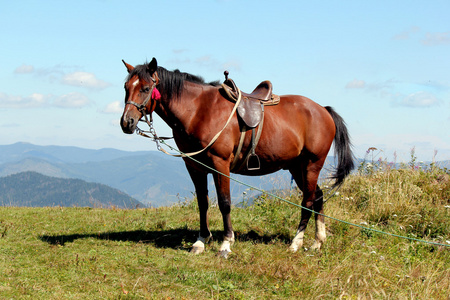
{"points": [[297, 136]]}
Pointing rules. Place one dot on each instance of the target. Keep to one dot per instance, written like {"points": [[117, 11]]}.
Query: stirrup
{"points": [[253, 162]]}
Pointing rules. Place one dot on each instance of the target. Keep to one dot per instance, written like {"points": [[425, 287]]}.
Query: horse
{"points": [[297, 136]]}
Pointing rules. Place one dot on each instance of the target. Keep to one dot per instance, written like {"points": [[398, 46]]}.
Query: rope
{"points": [[300, 206], [214, 139]]}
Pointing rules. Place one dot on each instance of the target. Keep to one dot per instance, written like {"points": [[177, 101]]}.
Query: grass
{"points": [[83, 253]]}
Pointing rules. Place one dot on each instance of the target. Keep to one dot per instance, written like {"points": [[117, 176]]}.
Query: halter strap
{"points": [[141, 107]]}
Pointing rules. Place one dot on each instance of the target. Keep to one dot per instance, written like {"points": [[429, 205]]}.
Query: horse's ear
{"points": [[152, 66], [129, 67]]}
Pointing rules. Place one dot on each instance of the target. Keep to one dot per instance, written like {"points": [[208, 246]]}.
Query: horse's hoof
{"points": [[297, 242], [198, 247], [316, 246], [293, 249], [225, 248]]}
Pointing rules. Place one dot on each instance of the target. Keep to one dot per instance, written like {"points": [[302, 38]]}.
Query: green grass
{"points": [[82, 253]]}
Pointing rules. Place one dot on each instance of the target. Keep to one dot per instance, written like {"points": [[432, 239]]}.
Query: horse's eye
{"points": [[146, 89]]}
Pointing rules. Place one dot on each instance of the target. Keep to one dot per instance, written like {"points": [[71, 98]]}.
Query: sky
{"points": [[383, 65]]}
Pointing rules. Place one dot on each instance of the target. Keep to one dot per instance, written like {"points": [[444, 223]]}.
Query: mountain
{"points": [[36, 190], [151, 177], [65, 154]]}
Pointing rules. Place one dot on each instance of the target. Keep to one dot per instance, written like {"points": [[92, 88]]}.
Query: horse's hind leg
{"points": [[320, 220], [306, 176]]}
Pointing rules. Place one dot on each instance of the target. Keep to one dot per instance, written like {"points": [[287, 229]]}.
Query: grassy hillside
{"points": [[80, 253]]}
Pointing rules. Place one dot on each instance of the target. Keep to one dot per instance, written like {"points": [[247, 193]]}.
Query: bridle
{"points": [[141, 107]]}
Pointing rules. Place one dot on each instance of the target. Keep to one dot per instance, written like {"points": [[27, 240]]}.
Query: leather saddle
{"points": [[250, 108], [251, 112]]}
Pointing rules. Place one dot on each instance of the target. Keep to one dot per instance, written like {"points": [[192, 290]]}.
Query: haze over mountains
{"points": [[151, 177]]}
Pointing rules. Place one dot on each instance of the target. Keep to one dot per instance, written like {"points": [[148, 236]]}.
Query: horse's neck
{"points": [[179, 112]]}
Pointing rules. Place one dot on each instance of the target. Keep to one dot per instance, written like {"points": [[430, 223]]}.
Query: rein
{"points": [[157, 139]]}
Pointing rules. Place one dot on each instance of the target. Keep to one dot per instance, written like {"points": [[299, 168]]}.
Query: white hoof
{"points": [[225, 248], [293, 248], [316, 245], [297, 242], [199, 245]]}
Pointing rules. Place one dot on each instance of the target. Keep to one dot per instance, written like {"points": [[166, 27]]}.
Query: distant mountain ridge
{"points": [[33, 189], [151, 177], [66, 154]]}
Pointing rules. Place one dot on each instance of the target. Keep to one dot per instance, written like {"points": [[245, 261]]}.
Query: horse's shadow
{"points": [[173, 238]]}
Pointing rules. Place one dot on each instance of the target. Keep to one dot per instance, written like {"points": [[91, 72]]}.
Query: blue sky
{"points": [[383, 65]]}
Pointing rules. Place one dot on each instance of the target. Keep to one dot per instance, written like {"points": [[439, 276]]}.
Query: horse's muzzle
{"points": [[128, 124]]}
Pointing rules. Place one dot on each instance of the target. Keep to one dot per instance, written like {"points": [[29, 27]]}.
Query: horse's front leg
{"points": [[200, 181], [224, 201]]}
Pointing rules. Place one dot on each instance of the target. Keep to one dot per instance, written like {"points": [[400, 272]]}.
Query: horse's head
{"points": [[140, 94]]}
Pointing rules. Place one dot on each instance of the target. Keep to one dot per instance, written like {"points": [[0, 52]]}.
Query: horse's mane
{"points": [[171, 82]]}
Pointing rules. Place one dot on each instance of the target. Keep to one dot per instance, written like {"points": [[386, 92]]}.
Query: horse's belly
{"points": [[266, 167]]}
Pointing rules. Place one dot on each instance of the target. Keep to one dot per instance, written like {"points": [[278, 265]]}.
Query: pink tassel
{"points": [[155, 94]]}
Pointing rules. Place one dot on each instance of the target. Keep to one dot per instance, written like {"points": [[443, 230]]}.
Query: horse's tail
{"points": [[343, 148]]}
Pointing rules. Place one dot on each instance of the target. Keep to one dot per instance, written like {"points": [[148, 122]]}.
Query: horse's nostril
{"points": [[131, 122]]}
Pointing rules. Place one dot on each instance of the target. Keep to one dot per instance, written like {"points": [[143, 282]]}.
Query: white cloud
{"points": [[383, 87], [425, 146], [420, 99], [436, 39], [72, 100], [430, 39], [32, 101], [36, 100], [84, 79], [371, 87], [405, 35], [113, 108], [24, 69], [440, 85], [51, 72], [356, 84], [389, 89]]}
